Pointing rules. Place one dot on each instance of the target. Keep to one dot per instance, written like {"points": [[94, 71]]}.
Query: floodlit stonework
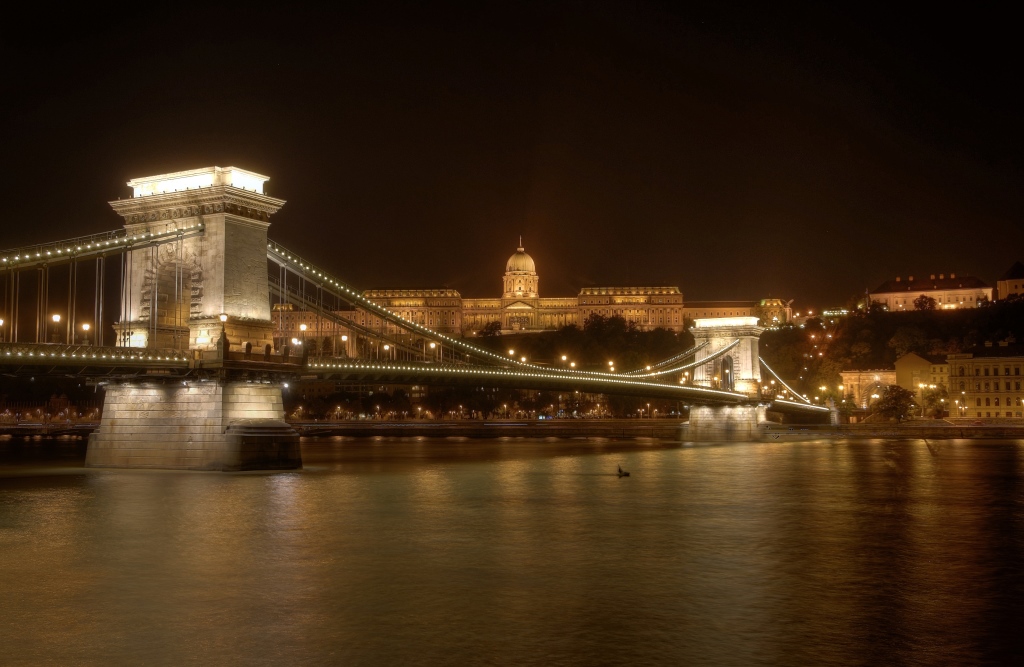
{"points": [[175, 294], [207, 292], [732, 343], [202, 426]]}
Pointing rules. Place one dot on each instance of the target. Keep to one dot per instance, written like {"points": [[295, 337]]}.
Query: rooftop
{"points": [[1015, 272], [593, 291], [940, 282], [198, 178]]}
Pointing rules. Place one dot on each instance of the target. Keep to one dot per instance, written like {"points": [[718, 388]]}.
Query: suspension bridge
{"points": [[174, 313]]}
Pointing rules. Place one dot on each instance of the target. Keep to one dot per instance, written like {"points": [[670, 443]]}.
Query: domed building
{"points": [[521, 279], [521, 308]]}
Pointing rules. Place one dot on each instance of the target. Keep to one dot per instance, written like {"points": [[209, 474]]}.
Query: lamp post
{"points": [[56, 329], [85, 333], [1, 331]]}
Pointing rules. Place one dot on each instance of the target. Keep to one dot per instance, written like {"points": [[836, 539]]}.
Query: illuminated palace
{"points": [[520, 308]]}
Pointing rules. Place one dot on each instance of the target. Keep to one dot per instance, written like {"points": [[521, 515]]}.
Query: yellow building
{"points": [[986, 381], [918, 372]]}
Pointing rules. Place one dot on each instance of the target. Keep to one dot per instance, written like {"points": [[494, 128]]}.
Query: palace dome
{"points": [[520, 262]]}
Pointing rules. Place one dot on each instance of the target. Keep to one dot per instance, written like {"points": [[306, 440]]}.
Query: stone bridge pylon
{"points": [[206, 291], [733, 365], [186, 294]]}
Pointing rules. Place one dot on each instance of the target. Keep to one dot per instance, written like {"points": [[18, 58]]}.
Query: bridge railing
{"points": [[50, 352]]}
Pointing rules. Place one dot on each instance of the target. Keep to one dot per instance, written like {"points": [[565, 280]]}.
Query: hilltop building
{"points": [[1011, 282], [949, 292]]}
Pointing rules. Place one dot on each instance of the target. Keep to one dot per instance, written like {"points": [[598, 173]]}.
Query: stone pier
{"points": [[726, 423], [210, 425]]}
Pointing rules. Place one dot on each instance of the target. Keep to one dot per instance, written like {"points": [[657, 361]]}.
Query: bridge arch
{"points": [[728, 379], [172, 291]]}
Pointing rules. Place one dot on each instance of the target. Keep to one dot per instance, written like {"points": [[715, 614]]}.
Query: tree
{"points": [[895, 403], [934, 401], [924, 302], [491, 329], [908, 339]]}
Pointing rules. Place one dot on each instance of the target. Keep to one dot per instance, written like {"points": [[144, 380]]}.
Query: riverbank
{"points": [[666, 429]]}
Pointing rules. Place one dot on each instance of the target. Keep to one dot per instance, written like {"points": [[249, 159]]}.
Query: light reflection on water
{"points": [[518, 551]]}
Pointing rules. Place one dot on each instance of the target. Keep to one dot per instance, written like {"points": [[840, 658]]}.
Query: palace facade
{"points": [[521, 308]]}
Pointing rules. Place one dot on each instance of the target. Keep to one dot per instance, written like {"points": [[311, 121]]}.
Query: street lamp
{"points": [[56, 329], [1, 331], [223, 333], [85, 333]]}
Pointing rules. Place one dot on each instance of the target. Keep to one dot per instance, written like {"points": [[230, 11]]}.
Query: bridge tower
{"points": [[207, 292], [185, 295], [733, 365], [739, 368]]}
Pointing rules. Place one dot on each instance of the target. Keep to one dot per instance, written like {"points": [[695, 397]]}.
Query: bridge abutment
{"points": [[199, 426]]}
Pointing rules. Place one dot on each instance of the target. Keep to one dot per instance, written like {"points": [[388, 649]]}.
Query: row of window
{"points": [[992, 386], [994, 370], [989, 414], [629, 315], [996, 402]]}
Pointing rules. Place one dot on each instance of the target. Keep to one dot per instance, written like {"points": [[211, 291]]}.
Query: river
{"points": [[513, 551]]}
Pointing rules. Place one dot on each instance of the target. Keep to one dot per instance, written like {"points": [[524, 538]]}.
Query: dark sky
{"points": [[733, 152]]}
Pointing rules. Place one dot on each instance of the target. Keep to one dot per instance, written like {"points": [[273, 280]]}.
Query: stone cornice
{"points": [[193, 203], [726, 332]]}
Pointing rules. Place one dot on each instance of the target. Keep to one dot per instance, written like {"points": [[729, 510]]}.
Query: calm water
{"points": [[524, 552]]}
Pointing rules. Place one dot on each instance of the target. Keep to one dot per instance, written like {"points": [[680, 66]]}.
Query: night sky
{"points": [[805, 154]]}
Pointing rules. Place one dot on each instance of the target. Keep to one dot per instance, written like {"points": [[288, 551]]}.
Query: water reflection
{"points": [[519, 551]]}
